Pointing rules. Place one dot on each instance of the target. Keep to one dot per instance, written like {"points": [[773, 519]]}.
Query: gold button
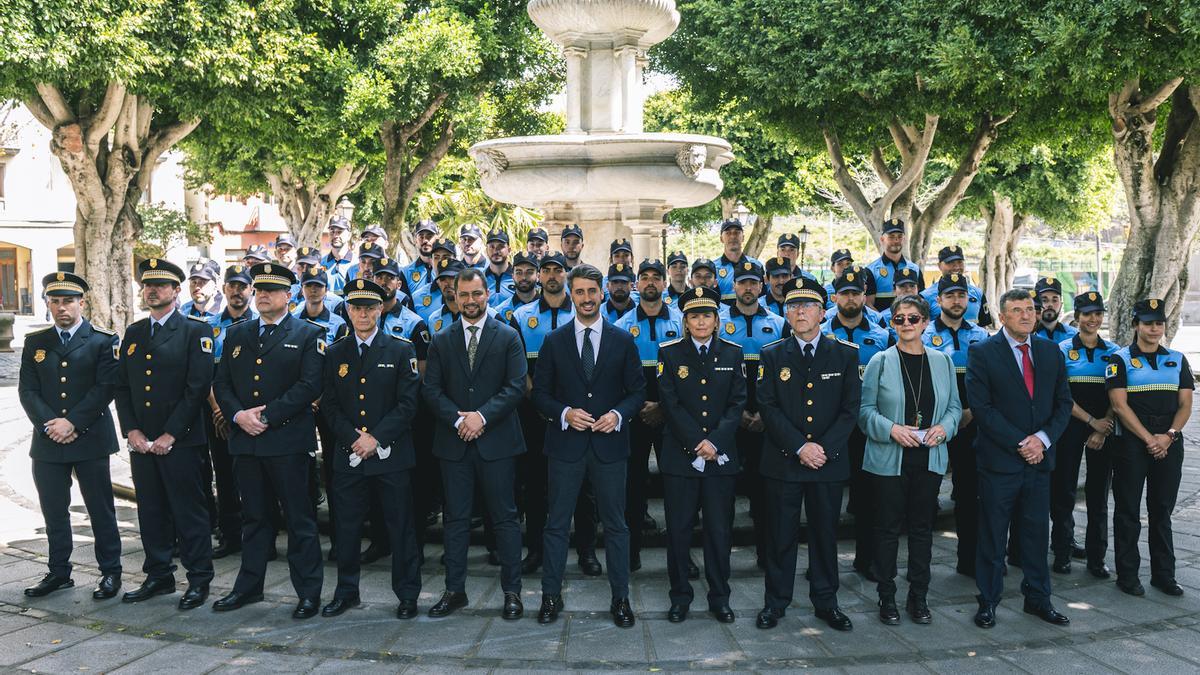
{"points": [[362, 413], [256, 378], [256, 396], [148, 357], [62, 379], [704, 429], [810, 401], [64, 394], [64, 411], [704, 398], [809, 436], [703, 381], [148, 372], [147, 387], [704, 413], [362, 380], [361, 397], [147, 404], [364, 430], [258, 361], [809, 419], [810, 385], [64, 364]]}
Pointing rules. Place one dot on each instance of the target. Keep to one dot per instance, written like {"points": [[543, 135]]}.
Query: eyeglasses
{"points": [[901, 319]]}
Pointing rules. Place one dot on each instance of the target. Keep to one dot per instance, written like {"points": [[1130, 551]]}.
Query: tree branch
{"points": [[430, 161], [55, 103], [414, 127], [841, 175], [1157, 98], [954, 189], [163, 139], [911, 171], [901, 139], [106, 115], [40, 112], [1181, 119], [881, 168]]}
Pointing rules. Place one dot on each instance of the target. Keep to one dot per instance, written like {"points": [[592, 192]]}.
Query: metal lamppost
{"points": [[345, 209], [803, 235]]}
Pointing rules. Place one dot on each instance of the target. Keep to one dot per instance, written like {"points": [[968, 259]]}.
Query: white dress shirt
{"points": [[161, 322], [1014, 345], [467, 346], [370, 339], [596, 327]]}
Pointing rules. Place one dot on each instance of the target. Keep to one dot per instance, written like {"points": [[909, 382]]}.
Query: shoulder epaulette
{"points": [[339, 339], [730, 342], [400, 338], [670, 342], [103, 331], [845, 342], [772, 343], [39, 331], [193, 317]]}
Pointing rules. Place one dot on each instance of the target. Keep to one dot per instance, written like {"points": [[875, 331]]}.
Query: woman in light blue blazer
{"points": [[910, 408]]}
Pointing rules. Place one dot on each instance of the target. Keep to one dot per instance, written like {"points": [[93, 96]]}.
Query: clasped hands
{"points": [[471, 426], [580, 420], [812, 455], [60, 430], [1158, 445], [161, 445], [1031, 449]]}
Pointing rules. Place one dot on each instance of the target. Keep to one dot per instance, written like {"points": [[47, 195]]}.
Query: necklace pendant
{"points": [[918, 420]]}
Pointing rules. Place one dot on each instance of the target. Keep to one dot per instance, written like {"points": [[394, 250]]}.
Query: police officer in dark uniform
{"points": [[1049, 295], [1150, 387], [952, 334], [702, 382], [269, 376], [370, 401], [68, 374], [165, 374], [809, 393]]}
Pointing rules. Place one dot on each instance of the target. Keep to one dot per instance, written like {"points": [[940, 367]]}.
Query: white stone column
{"points": [[643, 241], [630, 85], [574, 57]]}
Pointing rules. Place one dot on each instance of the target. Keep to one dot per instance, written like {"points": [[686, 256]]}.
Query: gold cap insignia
{"points": [[850, 276], [620, 267], [384, 261], [1091, 296], [267, 268], [954, 278], [1049, 281], [60, 276], [153, 263], [1153, 304], [746, 266], [237, 269], [360, 284]]}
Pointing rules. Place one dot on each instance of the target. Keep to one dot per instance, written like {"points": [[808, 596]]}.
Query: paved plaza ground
{"points": [[69, 632]]}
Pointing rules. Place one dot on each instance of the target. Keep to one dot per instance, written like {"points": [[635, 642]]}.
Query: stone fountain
{"points": [[604, 172]]}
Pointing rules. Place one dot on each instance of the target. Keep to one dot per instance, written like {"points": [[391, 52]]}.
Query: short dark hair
{"points": [[915, 301], [469, 274], [1013, 296], [587, 272]]}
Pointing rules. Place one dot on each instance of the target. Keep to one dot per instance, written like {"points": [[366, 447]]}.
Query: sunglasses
{"points": [[913, 319]]}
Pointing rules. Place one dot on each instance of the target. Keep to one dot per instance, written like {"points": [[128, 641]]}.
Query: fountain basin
{"points": [[574, 22], [675, 170]]}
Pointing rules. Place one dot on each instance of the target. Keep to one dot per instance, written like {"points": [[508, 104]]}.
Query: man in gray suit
{"points": [[477, 436]]}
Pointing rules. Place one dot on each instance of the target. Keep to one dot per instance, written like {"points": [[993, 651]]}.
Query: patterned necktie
{"points": [[1027, 368], [472, 346], [66, 336], [588, 354]]}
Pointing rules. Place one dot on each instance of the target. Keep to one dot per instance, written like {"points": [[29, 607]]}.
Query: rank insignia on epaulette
{"points": [[1073, 355], [206, 345], [682, 373], [785, 374], [343, 369]]}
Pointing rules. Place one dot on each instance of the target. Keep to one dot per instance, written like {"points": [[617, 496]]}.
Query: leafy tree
{"points": [[120, 82], [164, 227]]}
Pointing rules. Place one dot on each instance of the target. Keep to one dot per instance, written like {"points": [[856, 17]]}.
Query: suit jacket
{"points": [[285, 375], [378, 395], [819, 404], [75, 381], [617, 383], [163, 383], [494, 387], [702, 399], [1002, 407]]}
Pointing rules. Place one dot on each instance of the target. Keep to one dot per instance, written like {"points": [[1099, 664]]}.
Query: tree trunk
{"points": [[1164, 210], [1003, 235], [307, 207], [411, 151], [109, 155], [759, 234]]}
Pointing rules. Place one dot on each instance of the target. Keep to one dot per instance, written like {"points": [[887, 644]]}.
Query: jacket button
{"points": [[470, 388], [589, 394], [256, 378], [362, 413], [148, 372], [809, 419], [147, 404], [258, 361], [704, 429], [810, 401], [703, 398], [362, 380], [147, 387], [703, 381], [62, 379], [361, 396], [256, 396], [63, 395], [808, 436], [63, 364], [64, 411], [704, 413], [364, 429], [148, 357], [810, 385]]}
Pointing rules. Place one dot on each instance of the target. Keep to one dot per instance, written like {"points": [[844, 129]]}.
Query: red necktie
{"points": [[1027, 367]]}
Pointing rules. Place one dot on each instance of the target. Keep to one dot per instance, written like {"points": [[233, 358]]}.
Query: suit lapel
{"points": [[281, 331], [1010, 361], [164, 334], [77, 340], [458, 334], [485, 340]]}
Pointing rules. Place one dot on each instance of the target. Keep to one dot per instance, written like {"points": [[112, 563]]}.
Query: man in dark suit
{"points": [[808, 394], [702, 386], [270, 373], [370, 398], [166, 371], [474, 380], [1022, 403], [589, 385], [66, 382]]}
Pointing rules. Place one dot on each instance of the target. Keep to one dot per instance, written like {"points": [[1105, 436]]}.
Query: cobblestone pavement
{"points": [[69, 632]]}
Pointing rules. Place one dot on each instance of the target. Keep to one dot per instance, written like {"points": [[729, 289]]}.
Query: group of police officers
{"points": [[746, 381]]}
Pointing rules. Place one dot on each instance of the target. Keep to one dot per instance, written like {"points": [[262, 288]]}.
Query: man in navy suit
{"points": [[1022, 402], [474, 380], [589, 385]]}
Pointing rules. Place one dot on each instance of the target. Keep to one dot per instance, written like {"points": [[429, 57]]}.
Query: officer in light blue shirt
{"points": [[839, 260], [428, 298], [419, 273], [499, 272], [869, 311], [677, 277], [905, 283], [732, 259], [309, 259], [314, 286], [525, 276], [1049, 295], [340, 258], [788, 247], [618, 283], [369, 253], [951, 261], [886, 268], [704, 273], [238, 292], [779, 270], [207, 300]]}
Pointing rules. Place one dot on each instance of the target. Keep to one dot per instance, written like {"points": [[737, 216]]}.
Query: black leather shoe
{"points": [[236, 600], [532, 562], [835, 619], [108, 587], [1168, 586], [693, 569], [622, 613], [226, 548], [493, 559], [513, 608], [768, 618], [635, 562], [339, 606], [1047, 613], [407, 609], [449, 602], [149, 589], [551, 606], [1099, 571], [1134, 588], [373, 553], [986, 616], [193, 597], [918, 610], [723, 614], [49, 584], [889, 614], [1078, 552], [307, 608], [1062, 565], [590, 564], [677, 613]]}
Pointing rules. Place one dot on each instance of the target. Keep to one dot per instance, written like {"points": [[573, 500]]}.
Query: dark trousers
{"points": [[909, 499], [750, 485], [565, 485], [1064, 484], [497, 477], [53, 483], [532, 487], [170, 497], [862, 504], [965, 494], [999, 493], [1133, 469], [261, 481], [427, 482], [681, 499], [637, 479], [229, 500], [328, 443], [353, 493], [822, 502]]}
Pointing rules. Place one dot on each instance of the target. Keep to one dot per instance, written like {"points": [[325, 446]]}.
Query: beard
{"points": [[955, 313], [389, 295], [651, 293], [523, 286], [619, 297], [852, 312], [1049, 315]]}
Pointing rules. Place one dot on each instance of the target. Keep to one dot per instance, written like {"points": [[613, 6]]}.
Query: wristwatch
{"points": [[1174, 434], [262, 417]]}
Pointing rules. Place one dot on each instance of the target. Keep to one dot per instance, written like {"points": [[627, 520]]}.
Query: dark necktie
{"points": [[66, 336], [808, 355], [362, 350], [588, 355], [266, 333], [703, 351], [472, 346], [1027, 368], [153, 329]]}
